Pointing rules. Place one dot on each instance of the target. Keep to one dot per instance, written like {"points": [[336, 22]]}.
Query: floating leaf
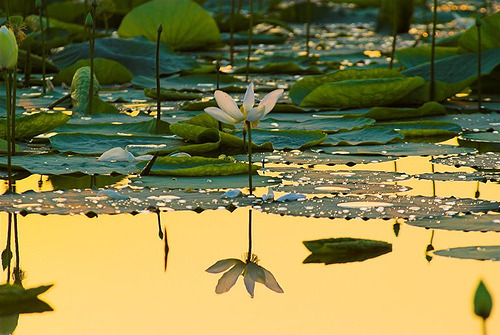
{"points": [[391, 113], [481, 141], [287, 139], [345, 250], [14, 299], [411, 57], [482, 253], [29, 126], [197, 167], [144, 128], [321, 121], [487, 161], [171, 95], [107, 72], [366, 136], [490, 29], [423, 128], [464, 223], [186, 25]]}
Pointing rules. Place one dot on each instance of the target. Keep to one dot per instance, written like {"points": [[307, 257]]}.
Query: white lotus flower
{"points": [[8, 49], [251, 271], [228, 111]]}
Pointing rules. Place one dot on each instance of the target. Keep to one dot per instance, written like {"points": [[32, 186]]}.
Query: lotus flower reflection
{"points": [[230, 113], [251, 271]]}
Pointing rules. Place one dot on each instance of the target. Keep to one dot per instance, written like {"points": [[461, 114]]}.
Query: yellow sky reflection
{"points": [[109, 278]]}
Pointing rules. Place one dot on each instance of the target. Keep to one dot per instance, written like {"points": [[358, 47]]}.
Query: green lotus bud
{"points": [[482, 301], [8, 49], [88, 20], [38, 3]]}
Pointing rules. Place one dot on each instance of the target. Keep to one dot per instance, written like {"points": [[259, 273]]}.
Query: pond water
{"points": [[110, 273]]}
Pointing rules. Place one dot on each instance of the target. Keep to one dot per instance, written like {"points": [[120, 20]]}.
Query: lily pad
{"points": [[471, 122], [481, 223], [423, 128], [366, 136], [287, 139], [320, 121], [457, 176], [29, 126], [411, 57], [482, 253], [197, 167], [141, 128], [171, 95], [481, 141], [489, 161], [136, 54], [15, 299], [391, 113], [345, 250], [328, 187], [194, 83], [186, 25], [107, 72]]}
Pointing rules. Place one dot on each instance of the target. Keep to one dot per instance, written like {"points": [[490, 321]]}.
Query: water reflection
{"points": [[429, 248], [249, 269], [14, 298]]}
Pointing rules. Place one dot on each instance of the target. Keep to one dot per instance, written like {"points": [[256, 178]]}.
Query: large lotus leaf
{"points": [[197, 167], [287, 139], [14, 300], [392, 113], [137, 54], [306, 85], [58, 164], [205, 120], [324, 122], [28, 126], [423, 128], [452, 74], [411, 57], [362, 92], [186, 25], [482, 223], [380, 206], [194, 83], [481, 141], [344, 250], [366, 136], [213, 182], [483, 162], [490, 30], [482, 253], [398, 149], [80, 88], [241, 38], [171, 95], [470, 122], [107, 72], [280, 68], [96, 144], [143, 128]]}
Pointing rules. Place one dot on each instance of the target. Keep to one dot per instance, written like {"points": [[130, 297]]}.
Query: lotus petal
{"points": [[269, 101], [271, 282], [116, 155], [269, 196], [223, 265], [255, 114], [220, 115], [291, 197], [229, 278], [231, 194], [249, 283], [249, 99], [228, 105]]}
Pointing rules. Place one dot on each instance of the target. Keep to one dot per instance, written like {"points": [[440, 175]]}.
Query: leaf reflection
{"points": [[251, 271]]}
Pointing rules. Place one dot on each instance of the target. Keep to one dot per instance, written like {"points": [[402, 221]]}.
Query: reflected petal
{"points": [[255, 114], [249, 99], [271, 282], [229, 278], [220, 115], [269, 101], [256, 272], [223, 265], [228, 105], [249, 283]]}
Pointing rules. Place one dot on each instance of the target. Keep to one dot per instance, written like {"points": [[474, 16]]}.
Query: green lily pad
{"points": [[305, 86], [457, 176], [490, 29], [142, 128], [345, 250], [471, 122], [197, 167], [241, 38], [453, 74], [96, 144], [481, 223], [212, 182], [481, 253], [329, 187], [423, 128], [391, 113], [29, 126], [398, 150], [287, 139], [483, 142], [194, 83], [366, 136], [171, 95], [136, 54], [320, 121], [343, 177], [81, 181], [411, 57], [186, 25], [107, 72], [489, 161], [362, 93]]}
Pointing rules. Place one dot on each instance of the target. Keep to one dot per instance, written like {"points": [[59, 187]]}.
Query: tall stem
{"points": [[250, 36], [432, 93], [17, 269], [483, 324], [250, 186], [308, 25], [249, 256], [7, 79], [158, 86], [7, 248], [92, 39], [42, 33], [231, 34], [479, 88], [13, 110]]}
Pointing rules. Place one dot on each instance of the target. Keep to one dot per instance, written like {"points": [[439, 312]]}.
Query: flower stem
{"points": [[7, 79], [250, 36], [42, 34], [479, 88], [249, 256], [13, 111], [250, 186], [432, 93], [308, 26], [7, 248], [158, 86], [17, 269], [231, 34]]}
